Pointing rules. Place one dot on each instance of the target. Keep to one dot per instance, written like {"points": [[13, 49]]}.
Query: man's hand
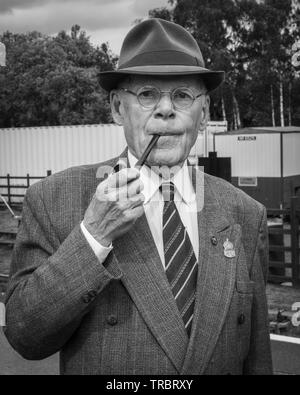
{"points": [[116, 205]]}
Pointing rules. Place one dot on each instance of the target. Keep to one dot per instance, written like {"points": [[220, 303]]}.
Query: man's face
{"points": [[177, 128]]}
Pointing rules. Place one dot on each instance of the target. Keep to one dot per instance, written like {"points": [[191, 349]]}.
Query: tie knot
{"points": [[168, 190]]}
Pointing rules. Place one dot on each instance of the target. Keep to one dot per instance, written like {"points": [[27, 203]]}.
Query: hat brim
{"points": [[213, 79]]}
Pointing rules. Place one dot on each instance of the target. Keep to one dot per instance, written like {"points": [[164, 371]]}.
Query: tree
{"points": [[53, 80], [210, 22], [251, 41], [267, 41]]}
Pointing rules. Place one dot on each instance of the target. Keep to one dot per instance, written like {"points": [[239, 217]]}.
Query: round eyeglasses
{"points": [[149, 96]]}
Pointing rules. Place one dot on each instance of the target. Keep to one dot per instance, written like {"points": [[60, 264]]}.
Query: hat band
{"points": [[155, 58]]}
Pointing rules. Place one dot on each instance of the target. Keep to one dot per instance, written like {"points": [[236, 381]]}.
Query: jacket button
{"points": [[112, 320], [214, 241], [241, 319], [92, 294], [87, 298]]}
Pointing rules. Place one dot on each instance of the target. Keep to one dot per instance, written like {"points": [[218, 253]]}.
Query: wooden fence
{"points": [[10, 186], [284, 265]]}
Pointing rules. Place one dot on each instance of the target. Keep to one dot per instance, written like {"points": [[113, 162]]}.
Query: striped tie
{"points": [[180, 262]]}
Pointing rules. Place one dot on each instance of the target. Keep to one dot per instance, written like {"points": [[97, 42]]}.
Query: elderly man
{"points": [[157, 269]]}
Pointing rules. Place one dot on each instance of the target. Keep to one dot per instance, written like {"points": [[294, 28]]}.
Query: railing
{"points": [[287, 267], [9, 186]]}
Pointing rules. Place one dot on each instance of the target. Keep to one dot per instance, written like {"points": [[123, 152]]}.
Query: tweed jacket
{"points": [[120, 317]]}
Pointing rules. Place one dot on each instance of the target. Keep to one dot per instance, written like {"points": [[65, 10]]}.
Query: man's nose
{"points": [[164, 108]]}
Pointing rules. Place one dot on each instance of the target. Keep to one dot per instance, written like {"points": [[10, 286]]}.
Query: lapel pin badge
{"points": [[229, 251]]}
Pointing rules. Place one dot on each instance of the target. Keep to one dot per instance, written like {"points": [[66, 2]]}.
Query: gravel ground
{"points": [[11, 363], [282, 296], [7, 224]]}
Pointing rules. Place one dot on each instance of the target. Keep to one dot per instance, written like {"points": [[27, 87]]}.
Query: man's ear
{"points": [[205, 114], [115, 105]]}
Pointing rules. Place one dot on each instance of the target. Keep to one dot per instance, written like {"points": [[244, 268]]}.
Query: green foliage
{"points": [[53, 80]]}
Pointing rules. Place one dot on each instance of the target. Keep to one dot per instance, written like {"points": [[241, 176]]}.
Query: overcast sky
{"points": [[103, 20]]}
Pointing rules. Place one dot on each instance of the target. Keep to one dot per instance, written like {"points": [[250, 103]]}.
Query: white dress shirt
{"points": [[184, 199]]}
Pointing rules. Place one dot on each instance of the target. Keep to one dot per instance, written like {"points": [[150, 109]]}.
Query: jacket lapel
{"points": [[216, 277], [147, 284]]}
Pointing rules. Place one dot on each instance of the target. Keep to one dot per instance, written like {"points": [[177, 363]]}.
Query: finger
{"points": [[122, 177], [129, 190], [126, 191], [124, 202], [121, 164], [137, 212], [134, 213], [132, 189], [137, 200]]}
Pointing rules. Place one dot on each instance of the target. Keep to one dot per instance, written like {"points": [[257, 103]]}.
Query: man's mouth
{"points": [[163, 134]]}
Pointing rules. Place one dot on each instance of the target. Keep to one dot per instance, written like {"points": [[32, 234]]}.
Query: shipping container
{"points": [[265, 162], [36, 150]]}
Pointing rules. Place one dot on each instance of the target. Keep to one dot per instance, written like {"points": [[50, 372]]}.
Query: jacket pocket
{"points": [[245, 287]]}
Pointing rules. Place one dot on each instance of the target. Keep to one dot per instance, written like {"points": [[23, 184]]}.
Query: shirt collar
{"points": [[151, 180]]}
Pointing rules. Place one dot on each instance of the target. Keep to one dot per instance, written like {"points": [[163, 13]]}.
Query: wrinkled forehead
{"points": [[163, 82]]}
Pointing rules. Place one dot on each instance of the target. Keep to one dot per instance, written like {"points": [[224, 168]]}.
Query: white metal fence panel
{"points": [[291, 154]]}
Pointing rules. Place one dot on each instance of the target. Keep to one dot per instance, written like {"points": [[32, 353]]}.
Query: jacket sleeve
{"points": [[259, 360], [52, 284]]}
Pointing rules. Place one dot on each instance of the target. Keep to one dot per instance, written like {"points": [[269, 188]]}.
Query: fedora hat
{"points": [[159, 47]]}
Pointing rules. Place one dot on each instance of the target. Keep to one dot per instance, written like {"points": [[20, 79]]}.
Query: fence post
{"points": [[28, 180], [8, 189], [295, 240], [49, 172]]}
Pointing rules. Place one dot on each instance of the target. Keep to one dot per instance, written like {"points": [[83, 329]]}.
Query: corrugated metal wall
{"points": [[36, 150], [291, 154], [251, 158]]}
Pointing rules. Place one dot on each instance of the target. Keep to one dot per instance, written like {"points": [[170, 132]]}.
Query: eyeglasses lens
{"points": [[150, 96], [182, 98]]}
